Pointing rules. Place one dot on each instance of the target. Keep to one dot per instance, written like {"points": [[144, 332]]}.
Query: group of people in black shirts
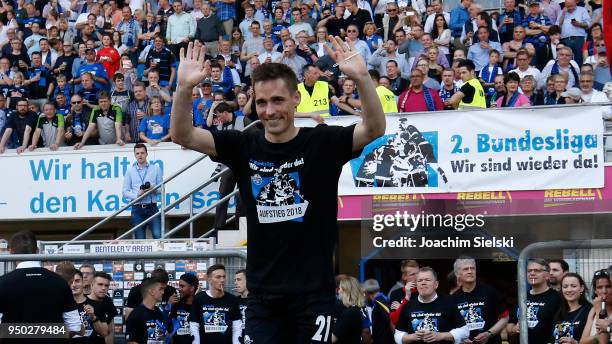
{"points": [[558, 307]]}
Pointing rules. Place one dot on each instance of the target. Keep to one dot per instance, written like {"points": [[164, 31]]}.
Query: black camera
{"points": [[145, 186]]}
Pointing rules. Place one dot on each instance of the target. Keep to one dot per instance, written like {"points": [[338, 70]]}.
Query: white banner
{"points": [[88, 183], [519, 149], [523, 149]]}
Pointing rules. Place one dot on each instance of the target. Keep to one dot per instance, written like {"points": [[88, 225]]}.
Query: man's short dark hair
{"points": [[37, 53], [563, 263], [374, 74], [215, 64], [307, 66], [103, 95], [214, 268], [224, 107], [88, 266], [274, 71], [23, 242], [553, 30], [540, 261], [243, 271], [469, 64], [104, 275], [394, 62], [140, 145], [431, 270], [160, 275], [147, 284], [117, 76]]}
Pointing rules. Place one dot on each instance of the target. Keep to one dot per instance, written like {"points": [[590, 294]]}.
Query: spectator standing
{"points": [[137, 110], [226, 11], [221, 117], [22, 122], [181, 28], [574, 21], [563, 64], [517, 43], [140, 177], [446, 323], [458, 17], [356, 16], [558, 269], [76, 121], [546, 299], [94, 69], [475, 297], [438, 9], [240, 287], [291, 59], [479, 52], [536, 26], [299, 25], [253, 47], [161, 59], [418, 98], [352, 325], [510, 18], [155, 126], [64, 62], [107, 119], [50, 126], [209, 30], [38, 82], [155, 90], [512, 98], [130, 30], [573, 314], [398, 83], [120, 95], [448, 88], [108, 56]]}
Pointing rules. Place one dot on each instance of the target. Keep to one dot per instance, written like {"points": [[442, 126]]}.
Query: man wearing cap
{"points": [[179, 313], [572, 96], [96, 70], [536, 27], [377, 312]]}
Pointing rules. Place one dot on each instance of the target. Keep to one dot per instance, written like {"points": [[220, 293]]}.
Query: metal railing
{"points": [[522, 272], [165, 208], [193, 217]]}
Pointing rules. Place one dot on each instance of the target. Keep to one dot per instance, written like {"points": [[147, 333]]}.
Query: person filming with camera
{"points": [[139, 178]]}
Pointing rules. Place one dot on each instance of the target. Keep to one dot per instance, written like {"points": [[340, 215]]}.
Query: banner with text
{"points": [[88, 183], [520, 149]]}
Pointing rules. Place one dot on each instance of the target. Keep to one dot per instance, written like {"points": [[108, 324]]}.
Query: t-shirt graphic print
{"points": [[277, 191]]}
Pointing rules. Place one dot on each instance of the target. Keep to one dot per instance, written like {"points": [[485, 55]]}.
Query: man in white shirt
{"points": [[523, 68], [590, 95], [438, 9], [299, 25], [269, 54]]}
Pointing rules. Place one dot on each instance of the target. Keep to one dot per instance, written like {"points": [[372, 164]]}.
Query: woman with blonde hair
{"points": [[352, 325]]}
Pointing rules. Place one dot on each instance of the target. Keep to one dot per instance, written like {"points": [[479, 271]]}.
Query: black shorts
{"points": [[285, 319]]}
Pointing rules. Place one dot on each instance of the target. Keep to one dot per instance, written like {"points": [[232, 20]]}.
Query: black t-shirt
{"points": [[135, 296], [541, 310], [468, 92], [335, 25], [349, 325], [90, 336], [35, 295], [360, 19], [215, 316], [164, 59], [441, 315], [481, 309], [242, 306], [68, 60], [179, 317], [572, 324], [290, 194], [19, 123], [109, 309], [146, 326]]}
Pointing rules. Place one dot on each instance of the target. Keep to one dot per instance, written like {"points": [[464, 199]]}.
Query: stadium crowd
{"points": [[561, 306], [76, 72]]}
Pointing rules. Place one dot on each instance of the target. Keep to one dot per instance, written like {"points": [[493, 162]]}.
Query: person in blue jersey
{"points": [[95, 69], [155, 126]]}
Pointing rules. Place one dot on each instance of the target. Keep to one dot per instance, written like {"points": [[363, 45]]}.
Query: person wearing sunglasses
{"points": [[543, 303]]}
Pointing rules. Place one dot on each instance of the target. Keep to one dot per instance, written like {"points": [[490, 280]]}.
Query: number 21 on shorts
{"points": [[323, 324]]}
